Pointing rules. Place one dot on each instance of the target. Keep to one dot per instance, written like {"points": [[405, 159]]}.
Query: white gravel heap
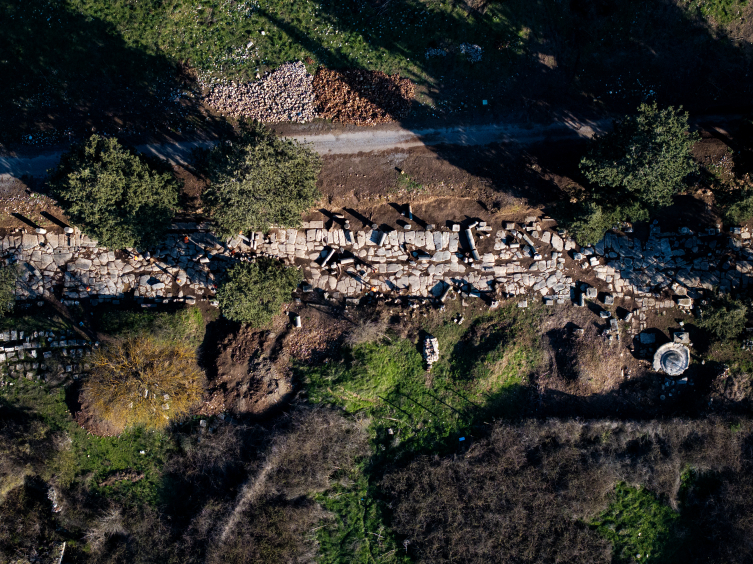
{"points": [[472, 52], [283, 95]]}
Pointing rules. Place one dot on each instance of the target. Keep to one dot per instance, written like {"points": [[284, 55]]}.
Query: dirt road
{"points": [[383, 138]]}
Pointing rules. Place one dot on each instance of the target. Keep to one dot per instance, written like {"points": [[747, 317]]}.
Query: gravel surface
{"points": [[285, 94], [362, 97]]}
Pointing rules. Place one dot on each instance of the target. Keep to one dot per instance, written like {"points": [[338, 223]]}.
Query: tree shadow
{"points": [[67, 75]]}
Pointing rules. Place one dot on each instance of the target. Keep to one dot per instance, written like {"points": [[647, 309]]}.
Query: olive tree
{"points": [[254, 292], [113, 195], [635, 169], [258, 181]]}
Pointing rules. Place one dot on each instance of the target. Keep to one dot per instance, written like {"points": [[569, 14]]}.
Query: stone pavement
{"points": [[513, 260]]}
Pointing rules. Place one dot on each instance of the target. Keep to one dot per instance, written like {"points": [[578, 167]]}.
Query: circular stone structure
{"points": [[672, 358]]}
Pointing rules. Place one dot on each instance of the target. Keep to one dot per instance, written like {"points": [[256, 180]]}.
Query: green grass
{"points": [[721, 11], [90, 458], [640, 526], [214, 34], [481, 375], [35, 322], [358, 535], [409, 186], [183, 326]]}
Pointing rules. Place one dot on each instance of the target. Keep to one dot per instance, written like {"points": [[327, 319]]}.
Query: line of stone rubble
{"points": [[511, 260]]}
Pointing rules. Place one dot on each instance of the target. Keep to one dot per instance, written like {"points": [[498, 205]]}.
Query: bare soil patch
{"points": [[253, 367], [86, 418]]}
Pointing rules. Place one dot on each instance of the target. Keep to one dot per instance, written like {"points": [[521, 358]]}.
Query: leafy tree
{"points": [[143, 381], [725, 319], [259, 181], [113, 195], [255, 291], [8, 279], [635, 169]]}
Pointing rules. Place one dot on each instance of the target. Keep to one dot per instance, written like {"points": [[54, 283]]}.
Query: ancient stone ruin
{"points": [[672, 359]]}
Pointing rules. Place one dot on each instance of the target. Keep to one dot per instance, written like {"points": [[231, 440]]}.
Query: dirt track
{"points": [[374, 139]]}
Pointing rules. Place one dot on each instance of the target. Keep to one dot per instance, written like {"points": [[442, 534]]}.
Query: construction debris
{"points": [[362, 97], [431, 350], [285, 94]]}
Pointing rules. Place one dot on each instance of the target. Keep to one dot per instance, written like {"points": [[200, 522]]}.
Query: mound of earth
{"points": [[362, 97], [87, 419], [253, 374]]}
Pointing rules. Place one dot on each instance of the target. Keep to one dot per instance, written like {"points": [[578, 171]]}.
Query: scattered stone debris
{"points": [[431, 350], [472, 52], [435, 53], [362, 97], [285, 94]]}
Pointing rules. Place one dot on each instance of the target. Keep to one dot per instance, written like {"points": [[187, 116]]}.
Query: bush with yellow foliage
{"points": [[143, 381]]}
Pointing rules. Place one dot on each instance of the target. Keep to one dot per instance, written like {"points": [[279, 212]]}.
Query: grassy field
{"points": [[81, 456], [640, 526], [481, 377], [121, 66], [88, 457]]}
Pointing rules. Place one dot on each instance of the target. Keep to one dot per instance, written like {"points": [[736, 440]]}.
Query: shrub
{"points": [[182, 326], [259, 181], [113, 195], [255, 291], [593, 222], [740, 209], [366, 331], [724, 319], [637, 168], [8, 279], [143, 382]]}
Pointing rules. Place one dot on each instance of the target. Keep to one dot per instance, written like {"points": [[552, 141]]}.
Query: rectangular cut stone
{"points": [[454, 242], [29, 241]]}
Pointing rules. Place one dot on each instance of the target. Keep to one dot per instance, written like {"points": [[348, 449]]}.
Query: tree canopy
{"points": [[113, 195], [259, 181], [635, 169], [254, 292]]}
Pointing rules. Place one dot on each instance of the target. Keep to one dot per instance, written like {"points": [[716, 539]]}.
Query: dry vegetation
{"points": [[366, 331], [141, 381], [527, 492]]}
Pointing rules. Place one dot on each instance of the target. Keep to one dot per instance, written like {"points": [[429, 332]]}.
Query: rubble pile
{"points": [[362, 97], [431, 350], [472, 52], [283, 95]]}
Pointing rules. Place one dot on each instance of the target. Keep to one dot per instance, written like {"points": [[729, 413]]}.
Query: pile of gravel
{"points": [[362, 97], [472, 52], [283, 95]]}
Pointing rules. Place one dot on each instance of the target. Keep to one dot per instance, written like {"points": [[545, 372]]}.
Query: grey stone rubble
{"points": [[668, 270], [286, 94], [431, 350], [75, 267], [42, 353]]}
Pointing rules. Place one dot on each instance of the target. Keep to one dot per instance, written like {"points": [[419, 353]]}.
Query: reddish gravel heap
{"points": [[361, 97]]}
